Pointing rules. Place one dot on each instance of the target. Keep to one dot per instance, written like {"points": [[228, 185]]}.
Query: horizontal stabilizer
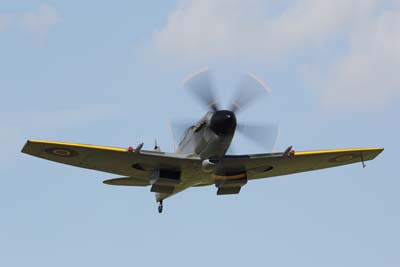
{"points": [[127, 181]]}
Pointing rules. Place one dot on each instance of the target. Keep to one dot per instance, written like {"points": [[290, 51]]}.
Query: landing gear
{"points": [[160, 207]]}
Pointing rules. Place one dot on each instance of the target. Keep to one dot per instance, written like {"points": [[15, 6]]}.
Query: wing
{"points": [[140, 165], [276, 164], [111, 159]]}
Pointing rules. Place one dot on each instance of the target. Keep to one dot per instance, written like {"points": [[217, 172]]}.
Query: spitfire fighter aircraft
{"points": [[201, 157]]}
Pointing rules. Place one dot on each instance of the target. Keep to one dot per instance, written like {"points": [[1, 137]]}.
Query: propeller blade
{"points": [[249, 89], [264, 135], [178, 129], [200, 85]]}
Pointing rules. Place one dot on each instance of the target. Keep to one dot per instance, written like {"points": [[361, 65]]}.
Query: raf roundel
{"points": [[62, 152], [343, 158]]}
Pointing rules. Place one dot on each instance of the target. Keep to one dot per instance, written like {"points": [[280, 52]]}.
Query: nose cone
{"points": [[223, 122]]}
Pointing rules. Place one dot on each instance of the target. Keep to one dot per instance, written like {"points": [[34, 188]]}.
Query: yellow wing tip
{"points": [[312, 152]]}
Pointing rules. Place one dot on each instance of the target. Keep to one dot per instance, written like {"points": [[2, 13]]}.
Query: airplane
{"points": [[201, 158]]}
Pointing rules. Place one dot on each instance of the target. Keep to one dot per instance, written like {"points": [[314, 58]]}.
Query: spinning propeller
{"points": [[249, 89]]}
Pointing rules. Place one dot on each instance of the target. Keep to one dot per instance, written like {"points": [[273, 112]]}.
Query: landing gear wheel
{"points": [[160, 207]]}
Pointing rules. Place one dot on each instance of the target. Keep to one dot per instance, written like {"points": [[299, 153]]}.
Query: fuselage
{"points": [[211, 136]]}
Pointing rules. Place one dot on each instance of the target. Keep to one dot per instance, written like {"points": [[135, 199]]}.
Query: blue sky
{"points": [[111, 74]]}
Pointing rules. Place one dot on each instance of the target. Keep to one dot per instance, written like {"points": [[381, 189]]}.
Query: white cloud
{"points": [[368, 74], [204, 29], [199, 31], [39, 21]]}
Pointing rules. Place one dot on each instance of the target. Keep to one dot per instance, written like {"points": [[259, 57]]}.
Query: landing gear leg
{"points": [[160, 206]]}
